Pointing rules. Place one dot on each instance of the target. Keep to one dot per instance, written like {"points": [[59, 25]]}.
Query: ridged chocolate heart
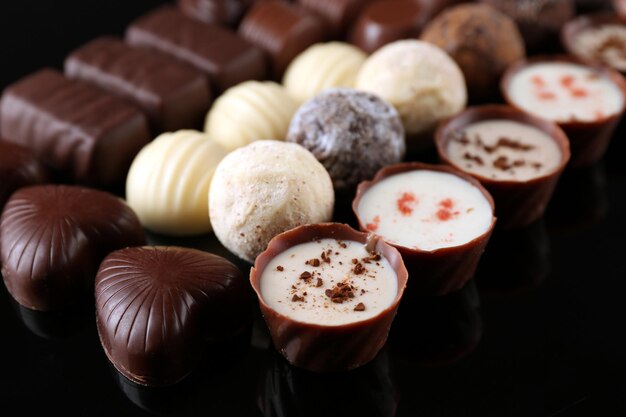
{"points": [[53, 237], [159, 308]]}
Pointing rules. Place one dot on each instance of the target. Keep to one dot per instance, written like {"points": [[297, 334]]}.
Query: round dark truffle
{"points": [[159, 308], [352, 133], [18, 168], [53, 237], [482, 41], [539, 20]]}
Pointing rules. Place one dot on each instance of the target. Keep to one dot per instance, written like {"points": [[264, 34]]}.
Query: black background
{"points": [[539, 333]]}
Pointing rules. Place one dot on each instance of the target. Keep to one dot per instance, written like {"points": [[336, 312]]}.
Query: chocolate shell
{"points": [[159, 308], [321, 348], [224, 12], [173, 95], [518, 203], [383, 22], [338, 14], [573, 28], [283, 30], [439, 271], [217, 51], [18, 168], [588, 140], [53, 237], [75, 128]]}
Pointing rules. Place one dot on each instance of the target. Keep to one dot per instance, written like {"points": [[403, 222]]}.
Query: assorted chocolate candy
{"points": [[54, 238], [173, 95], [159, 308], [75, 128], [340, 120]]}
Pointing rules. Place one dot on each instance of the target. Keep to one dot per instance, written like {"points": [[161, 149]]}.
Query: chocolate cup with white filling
{"points": [[518, 203], [588, 140], [328, 348], [571, 30], [439, 271]]}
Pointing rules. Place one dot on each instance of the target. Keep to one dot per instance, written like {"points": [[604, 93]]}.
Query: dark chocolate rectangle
{"points": [[172, 94], [74, 127], [217, 51]]}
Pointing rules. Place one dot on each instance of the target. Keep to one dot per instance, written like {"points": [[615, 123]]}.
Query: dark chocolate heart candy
{"points": [[53, 237], [159, 308]]}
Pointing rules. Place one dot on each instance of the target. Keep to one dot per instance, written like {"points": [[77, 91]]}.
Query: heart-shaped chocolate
{"points": [[53, 237], [158, 309]]}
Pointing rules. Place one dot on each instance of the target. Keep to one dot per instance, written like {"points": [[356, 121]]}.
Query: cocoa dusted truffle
{"points": [[352, 133], [539, 20], [18, 168], [53, 238], [481, 40], [159, 308]]}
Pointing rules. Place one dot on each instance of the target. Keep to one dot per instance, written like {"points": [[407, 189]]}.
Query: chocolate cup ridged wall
{"points": [[518, 203], [332, 348], [438, 271]]}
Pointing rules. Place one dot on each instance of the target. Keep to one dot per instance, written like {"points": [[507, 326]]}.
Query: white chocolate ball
{"points": [[323, 66], [168, 183], [419, 79], [250, 111], [264, 189]]}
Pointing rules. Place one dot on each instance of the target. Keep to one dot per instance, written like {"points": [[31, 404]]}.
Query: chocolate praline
{"points": [[383, 22], [226, 12], [518, 203], [574, 28], [18, 168], [339, 14], [328, 348], [172, 94], [439, 271], [82, 133], [588, 140], [481, 40], [217, 51], [159, 308], [53, 237], [283, 30], [352, 133], [539, 20]]}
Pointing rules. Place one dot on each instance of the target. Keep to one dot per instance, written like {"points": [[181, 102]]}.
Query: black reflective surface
{"points": [[539, 332]]}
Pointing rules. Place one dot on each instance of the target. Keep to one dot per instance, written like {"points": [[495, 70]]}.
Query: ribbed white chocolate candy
{"points": [[168, 183], [264, 189], [323, 66], [250, 111]]}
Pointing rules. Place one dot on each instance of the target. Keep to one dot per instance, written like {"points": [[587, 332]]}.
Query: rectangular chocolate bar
{"points": [[217, 51], [172, 94], [77, 129]]}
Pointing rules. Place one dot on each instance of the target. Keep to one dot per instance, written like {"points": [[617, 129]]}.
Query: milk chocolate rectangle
{"points": [[77, 129], [172, 94], [217, 51]]}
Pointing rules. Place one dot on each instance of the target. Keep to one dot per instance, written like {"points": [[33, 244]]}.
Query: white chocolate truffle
{"points": [[169, 180], [322, 66], [423, 83], [264, 189], [250, 111]]}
